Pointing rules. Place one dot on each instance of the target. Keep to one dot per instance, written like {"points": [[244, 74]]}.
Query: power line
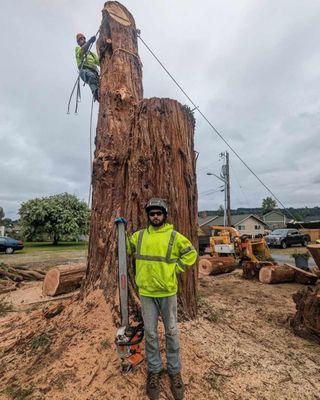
{"points": [[212, 126]]}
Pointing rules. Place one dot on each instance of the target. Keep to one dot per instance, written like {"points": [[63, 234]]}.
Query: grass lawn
{"points": [[32, 247]]}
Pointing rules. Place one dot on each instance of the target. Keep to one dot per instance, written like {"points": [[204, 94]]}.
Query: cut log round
{"points": [[276, 274], [302, 276], [306, 322], [63, 279], [205, 266]]}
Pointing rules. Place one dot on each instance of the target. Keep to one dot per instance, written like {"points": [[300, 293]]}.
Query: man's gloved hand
{"points": [[120, 219], [92, 39]]}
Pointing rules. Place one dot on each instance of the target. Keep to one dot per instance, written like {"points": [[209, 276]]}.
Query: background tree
{"points": [[268, 204], [57, 216], [1, 214], [221, 210]]}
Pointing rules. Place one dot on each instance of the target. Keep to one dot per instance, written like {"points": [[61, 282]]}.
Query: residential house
{"points": [[246, 224], [275, 219]]}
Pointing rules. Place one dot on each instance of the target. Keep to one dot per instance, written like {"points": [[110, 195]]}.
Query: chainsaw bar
{"points": [[123, 272]]}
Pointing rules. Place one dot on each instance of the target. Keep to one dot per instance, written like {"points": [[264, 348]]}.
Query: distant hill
{"points": [[298, 213]]}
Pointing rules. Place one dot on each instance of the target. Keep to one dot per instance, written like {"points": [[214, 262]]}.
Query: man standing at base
{"points": [[88, 63], [160, 254]]}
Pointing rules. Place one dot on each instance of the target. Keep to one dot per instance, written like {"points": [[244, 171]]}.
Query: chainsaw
{"points": [[129, 337]]}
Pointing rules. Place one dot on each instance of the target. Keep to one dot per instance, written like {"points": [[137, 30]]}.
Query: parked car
{"points": [[286, 237], [9, 245]]}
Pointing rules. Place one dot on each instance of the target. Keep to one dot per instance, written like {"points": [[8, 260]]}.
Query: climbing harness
{"points": [[77, 82]]}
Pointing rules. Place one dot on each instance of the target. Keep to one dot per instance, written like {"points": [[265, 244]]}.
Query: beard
{"points": [[156, 222]]}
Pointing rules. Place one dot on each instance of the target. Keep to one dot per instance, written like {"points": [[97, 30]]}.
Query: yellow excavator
{"points": [[227, 241]]}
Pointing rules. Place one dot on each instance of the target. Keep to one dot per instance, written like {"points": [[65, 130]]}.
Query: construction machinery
{"points": [[227, 241]]}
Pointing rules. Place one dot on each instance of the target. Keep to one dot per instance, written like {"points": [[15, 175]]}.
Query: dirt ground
{"points": [[240, 347]]}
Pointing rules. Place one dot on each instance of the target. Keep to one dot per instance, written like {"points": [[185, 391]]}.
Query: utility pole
{"points": [[228, 189]]}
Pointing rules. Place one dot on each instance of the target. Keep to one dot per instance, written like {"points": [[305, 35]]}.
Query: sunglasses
{"points": [[153, 213]]}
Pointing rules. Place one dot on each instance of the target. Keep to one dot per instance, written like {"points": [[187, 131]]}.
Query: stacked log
{"points": [[306, 322], [216, 265], [63, 279], [276, 274], [11, 276]]}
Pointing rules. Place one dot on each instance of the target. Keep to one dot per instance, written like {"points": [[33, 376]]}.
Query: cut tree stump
{"points": [[276, 274], [306, 321], [302, 276], [144, 149], [63, 279], [315, 252]]}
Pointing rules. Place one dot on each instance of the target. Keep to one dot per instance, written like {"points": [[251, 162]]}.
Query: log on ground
{"points": [[276, 274], [63, 279], [251, 269], [306, 321], [302, 276], [217, 265]]}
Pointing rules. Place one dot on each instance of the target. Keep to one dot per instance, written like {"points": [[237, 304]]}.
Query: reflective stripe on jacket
{"points": [[160, 254], [92, 60]]}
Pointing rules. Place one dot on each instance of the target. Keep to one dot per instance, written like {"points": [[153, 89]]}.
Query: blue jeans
{"points": [[91, 77], [152, 308]]}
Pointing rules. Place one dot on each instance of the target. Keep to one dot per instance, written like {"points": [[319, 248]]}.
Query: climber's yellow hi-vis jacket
{"points": [[160, 253]]}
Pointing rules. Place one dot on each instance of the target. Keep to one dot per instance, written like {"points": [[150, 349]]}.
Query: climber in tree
{"points": [[89, 62]]}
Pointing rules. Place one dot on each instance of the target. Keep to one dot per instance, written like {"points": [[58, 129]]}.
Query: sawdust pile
{"points": [[240, 347]]}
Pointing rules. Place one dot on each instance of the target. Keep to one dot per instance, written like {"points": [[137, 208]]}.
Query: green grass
{"points": [[32, 247]]}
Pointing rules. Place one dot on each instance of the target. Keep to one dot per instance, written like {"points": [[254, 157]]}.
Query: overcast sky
{"points": [[253, 67]]}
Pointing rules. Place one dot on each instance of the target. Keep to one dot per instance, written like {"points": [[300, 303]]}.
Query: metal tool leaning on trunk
{"points": [[128, 337]]}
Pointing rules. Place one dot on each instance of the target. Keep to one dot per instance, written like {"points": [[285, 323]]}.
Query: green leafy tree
{"points": [[268, 204], [221, 210], [57, 216], [1, 214]]}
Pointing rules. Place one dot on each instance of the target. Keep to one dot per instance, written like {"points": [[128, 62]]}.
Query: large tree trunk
{"points": [[144, 149]]}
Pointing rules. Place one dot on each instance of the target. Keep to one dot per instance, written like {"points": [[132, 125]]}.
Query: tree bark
{"points": [[216, 265], [306, 322], [144, 149], [276, 274], [251, 269], [63, 279], [302, 276], [315, 252]]}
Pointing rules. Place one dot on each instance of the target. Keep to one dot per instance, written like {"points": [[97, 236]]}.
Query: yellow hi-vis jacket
{"points": [[160, 254], [91, 61]]}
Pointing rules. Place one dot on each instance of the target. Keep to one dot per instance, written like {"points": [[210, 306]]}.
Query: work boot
{"points": [[153, 385], [177, 386]]}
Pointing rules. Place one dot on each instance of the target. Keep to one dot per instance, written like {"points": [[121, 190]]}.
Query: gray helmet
{"points": [[157, 203]]}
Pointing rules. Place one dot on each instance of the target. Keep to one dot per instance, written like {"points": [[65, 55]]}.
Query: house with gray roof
{"points": [[246, 224], [275, 219]]}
